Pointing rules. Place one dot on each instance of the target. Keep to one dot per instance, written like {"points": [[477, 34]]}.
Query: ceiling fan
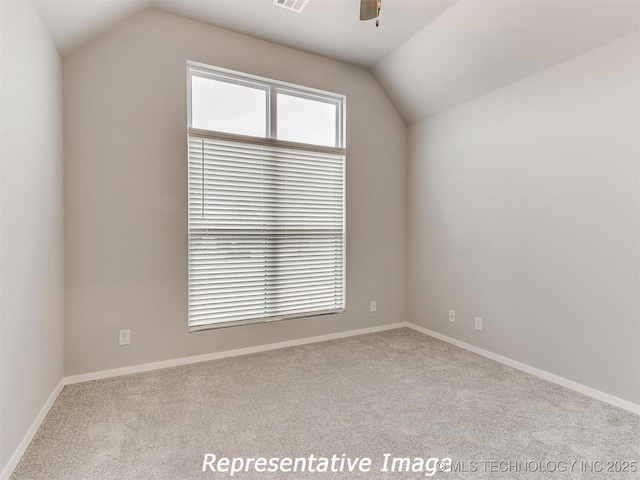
{"points": [[370, 9]]}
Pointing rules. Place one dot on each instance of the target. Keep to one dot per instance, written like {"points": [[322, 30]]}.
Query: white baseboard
{"points": [[116, 372], [17, 455], [15, 459], [591, 392]]}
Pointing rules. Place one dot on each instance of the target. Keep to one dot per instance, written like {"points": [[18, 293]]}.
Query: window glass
{"points": [[266, 218], [306, 120], [228, 107]]}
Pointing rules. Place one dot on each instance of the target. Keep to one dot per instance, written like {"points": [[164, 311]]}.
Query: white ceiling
{"points": [[429, 55], [479, 46], [327, 27]]}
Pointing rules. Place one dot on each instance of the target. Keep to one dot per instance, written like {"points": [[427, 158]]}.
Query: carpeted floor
{"points": [[398, 392]]}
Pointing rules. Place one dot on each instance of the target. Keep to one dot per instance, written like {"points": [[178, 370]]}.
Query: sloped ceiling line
{"points": [[479, 46], [428, 55]]}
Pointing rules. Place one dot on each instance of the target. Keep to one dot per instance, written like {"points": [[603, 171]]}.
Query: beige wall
{"points": [[524, 210], [125, 192], [31, 297]]}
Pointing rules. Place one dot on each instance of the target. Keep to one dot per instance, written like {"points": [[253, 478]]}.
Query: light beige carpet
{"points": [[398, 392]]}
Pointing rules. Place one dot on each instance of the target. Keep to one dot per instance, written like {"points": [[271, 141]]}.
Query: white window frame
{"points": [[270, 138], [272, 87]]}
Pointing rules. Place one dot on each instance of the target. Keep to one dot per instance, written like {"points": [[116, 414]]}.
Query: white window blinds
{"points": [[266, 232]]}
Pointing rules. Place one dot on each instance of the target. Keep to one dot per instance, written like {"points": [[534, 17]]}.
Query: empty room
{"points": [[285, 239]]}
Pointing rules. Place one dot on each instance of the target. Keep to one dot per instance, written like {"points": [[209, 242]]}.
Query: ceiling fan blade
{"points": [[368, 9]]}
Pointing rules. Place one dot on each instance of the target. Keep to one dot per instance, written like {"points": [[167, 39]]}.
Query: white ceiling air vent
{"points": [[294, 5]]}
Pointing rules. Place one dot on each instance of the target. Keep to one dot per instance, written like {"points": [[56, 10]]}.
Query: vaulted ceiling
{"points": [[479, 46], [429, 55], [327, 27]]}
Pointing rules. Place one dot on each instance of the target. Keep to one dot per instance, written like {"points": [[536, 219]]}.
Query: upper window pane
{"points": [[228, 107], [306, 120]]}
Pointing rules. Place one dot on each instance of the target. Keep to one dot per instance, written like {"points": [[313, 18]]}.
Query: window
{"points": [[306, 119], [228, 107], [266, 200]]}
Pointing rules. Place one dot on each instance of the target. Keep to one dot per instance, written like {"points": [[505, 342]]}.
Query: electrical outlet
{"points": [[478, 323], [124, 337], [372, 306], [452, 315]]}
